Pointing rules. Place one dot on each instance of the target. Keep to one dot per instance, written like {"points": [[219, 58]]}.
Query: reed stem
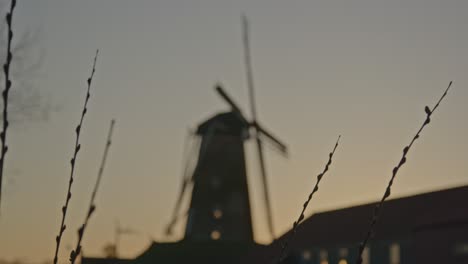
{"points": [[379, 206], [92, 206], [304, 207], [58, 239], [5, 93]]}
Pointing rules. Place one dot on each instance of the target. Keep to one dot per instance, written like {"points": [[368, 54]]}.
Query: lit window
{"points": [[366, 256], [343, 254], [217, 214], [323, 256], [394, 251], [215, 235]]}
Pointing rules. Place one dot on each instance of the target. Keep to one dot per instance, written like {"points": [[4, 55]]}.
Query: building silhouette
{"points": [[425, 228]]}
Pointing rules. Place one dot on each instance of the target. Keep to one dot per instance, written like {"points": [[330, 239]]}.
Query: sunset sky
{"points": [[364, 69]]}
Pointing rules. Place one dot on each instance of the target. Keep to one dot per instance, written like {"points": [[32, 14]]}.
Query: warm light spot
{"points": [[343, 253], [306, 255], [366, 256], [394, 253], [217, 214], [343, 261], [323, 256], [215, 235]]}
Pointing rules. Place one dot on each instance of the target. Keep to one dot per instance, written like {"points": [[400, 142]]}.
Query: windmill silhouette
{"points": [[220, 205]]}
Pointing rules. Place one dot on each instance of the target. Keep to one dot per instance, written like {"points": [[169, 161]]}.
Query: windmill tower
{"points": [[220, 205]]}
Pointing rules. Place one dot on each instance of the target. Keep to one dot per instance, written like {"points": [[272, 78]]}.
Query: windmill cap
{"points": [[229, 123]]}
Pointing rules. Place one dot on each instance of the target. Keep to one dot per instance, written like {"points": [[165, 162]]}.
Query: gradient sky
{"points": [[364, 69]]}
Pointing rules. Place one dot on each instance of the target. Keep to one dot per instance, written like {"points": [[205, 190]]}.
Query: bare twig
{"points": [[73, 162], [378, 207], [6, 70], [92, 206], [301, 216]]}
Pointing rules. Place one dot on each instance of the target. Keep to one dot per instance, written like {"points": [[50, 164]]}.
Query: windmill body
{"points": [[219, 207]]}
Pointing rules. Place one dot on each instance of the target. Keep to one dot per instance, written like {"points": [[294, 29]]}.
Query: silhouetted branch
{"points": [[26, 102], [92, 206], [73, 161], [6, 70], [301, 216], [378, 207]]}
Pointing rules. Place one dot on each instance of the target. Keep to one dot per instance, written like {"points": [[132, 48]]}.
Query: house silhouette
{"points": [[425, 228]]}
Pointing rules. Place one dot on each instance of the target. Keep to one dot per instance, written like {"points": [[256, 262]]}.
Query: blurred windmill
{"points": [[111, 249], [220, 207]]}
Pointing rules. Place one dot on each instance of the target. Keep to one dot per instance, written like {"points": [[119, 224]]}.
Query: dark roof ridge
{"points": [[413, 196]]}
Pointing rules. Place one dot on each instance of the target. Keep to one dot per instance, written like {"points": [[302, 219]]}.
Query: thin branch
{"points": [[378, 207], [58, 239], [6, 70], [92, 206], [301, 216]]}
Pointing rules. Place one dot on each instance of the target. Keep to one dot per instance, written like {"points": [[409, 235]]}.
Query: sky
{"points": [[363, 69]]}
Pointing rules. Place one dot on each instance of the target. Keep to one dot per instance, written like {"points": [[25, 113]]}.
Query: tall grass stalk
{"points": [[379, 206], [92, 206], [285, 245], [58, 239], [5, 93]]}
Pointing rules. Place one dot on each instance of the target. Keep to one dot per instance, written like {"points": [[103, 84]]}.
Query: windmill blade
{"points": [[250, 83], [231, 102], [248, 67], [279, 145], [175, 213], [250, 86], [227, 98], [186, 179], [176, 220], [266, 194]]}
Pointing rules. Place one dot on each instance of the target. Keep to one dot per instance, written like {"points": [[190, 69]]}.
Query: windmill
{"points": [[220, 206]]}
